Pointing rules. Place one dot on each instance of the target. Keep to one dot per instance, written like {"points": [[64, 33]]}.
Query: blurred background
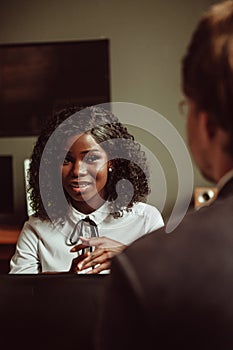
{"points": [[146, 40]]}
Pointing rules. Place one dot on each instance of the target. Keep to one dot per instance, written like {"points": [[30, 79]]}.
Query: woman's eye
{"points": [[91, 158], [67, 160]]}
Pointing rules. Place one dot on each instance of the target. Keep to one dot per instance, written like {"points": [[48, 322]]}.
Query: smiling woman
{"points": [[88, 179], [85, 173]]}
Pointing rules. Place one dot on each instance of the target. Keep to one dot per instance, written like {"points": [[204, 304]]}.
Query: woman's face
{"points": [[85, 173]]}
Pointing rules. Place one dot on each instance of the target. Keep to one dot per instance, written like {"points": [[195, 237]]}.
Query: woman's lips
{"points": [[80, 186]]}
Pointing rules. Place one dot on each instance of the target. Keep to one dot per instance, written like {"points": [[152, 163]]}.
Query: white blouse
{"points": [[44, 246]]}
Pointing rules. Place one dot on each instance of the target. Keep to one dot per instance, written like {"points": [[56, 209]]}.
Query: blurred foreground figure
{"points": [[175, 291]]}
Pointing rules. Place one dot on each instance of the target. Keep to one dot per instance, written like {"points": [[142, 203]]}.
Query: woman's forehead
{"points": [[84, 141]]}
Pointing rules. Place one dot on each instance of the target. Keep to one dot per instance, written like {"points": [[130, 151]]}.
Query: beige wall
{"points": [[147, 41]]}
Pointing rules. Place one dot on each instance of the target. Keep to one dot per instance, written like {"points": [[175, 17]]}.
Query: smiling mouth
{"points": [[80, 185]]}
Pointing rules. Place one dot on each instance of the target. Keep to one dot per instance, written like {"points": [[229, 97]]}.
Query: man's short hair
{"points": [[207, 67]]}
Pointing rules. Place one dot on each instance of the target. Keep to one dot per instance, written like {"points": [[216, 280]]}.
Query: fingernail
{"points": [[80, 265]]}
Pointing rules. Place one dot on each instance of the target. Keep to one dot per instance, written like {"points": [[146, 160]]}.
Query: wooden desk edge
{"points": [[9, 235]]}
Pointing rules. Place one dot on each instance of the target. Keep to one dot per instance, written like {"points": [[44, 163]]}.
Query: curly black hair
{"points": [[126, 184]]}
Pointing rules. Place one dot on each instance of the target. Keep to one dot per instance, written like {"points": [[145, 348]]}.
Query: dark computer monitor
{"points": [[36, 78], [6, 185]]}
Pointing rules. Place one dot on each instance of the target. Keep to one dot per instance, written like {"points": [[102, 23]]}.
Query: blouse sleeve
{"points": [[154, 219], [25, 259]]}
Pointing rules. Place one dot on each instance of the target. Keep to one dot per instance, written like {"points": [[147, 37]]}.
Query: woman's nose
{"points": [[79, 169]]}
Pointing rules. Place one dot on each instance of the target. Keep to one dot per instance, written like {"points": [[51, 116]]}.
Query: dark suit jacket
{"points": [[175, 291]]}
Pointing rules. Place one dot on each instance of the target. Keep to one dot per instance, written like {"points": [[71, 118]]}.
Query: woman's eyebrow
{"points": [[84, 151], [91, 150]]}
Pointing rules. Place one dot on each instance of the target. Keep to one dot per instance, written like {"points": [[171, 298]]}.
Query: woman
{"points": [[88, 181]]}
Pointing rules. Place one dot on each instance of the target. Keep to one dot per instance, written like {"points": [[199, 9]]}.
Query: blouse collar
{"points": [[97, 216]]}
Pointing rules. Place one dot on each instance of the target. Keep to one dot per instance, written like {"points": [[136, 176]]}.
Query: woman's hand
{"points": [[76, 261], [100, 258]]}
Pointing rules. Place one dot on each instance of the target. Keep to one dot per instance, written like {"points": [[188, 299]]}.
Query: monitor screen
{"points": [[37, 78], [6, 185]]}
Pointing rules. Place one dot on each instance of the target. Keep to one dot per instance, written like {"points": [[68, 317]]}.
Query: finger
{"points": [[85, 241], [100, 268], [95, 254], [94, 241], [100, 241], [75, 262], [104, 242], [92, 256], [78, 247], [100, 259]]}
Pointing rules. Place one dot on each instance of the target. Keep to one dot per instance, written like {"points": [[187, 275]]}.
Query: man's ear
{"points": [[212, 135], [207, 127]]}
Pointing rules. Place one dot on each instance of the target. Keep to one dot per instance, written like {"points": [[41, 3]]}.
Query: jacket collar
{"points": [[225, 185]]}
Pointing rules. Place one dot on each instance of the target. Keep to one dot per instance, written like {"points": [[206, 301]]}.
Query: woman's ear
{"points": [[110, 168]]}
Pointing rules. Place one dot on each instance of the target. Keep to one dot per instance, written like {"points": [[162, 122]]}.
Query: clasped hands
{"points": [[99, 259]]}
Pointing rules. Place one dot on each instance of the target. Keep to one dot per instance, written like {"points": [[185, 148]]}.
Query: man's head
{"points": [[207, 81]]}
